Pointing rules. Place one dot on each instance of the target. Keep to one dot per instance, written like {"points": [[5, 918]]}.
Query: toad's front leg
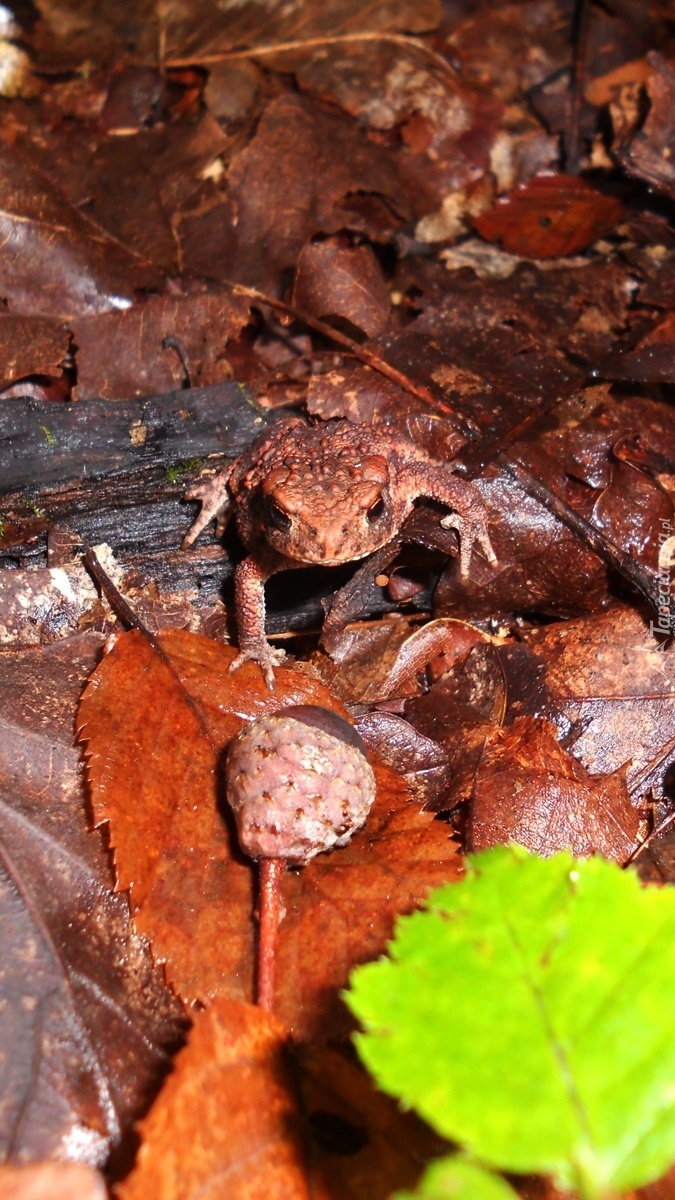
{"points": [[250, 578], [469, 517], [216, 502]]}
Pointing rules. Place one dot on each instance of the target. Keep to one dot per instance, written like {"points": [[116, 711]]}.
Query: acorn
{"points": [[299, 783]]}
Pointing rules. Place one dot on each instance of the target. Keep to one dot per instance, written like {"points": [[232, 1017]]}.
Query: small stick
{"points": [[128, 618], [582, 23], [655, 833], [178, 346], [335, 39], [367, 356], [123, 611], [271, 874]]}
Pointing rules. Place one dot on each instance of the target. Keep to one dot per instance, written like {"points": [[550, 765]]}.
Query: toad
{"points": [[324, 494]]}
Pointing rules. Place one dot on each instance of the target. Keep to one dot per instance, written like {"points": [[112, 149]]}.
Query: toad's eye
{"points": [[375, 511], [278, 517]]}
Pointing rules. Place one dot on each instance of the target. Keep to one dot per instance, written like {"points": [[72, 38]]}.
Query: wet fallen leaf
{"points": [[31, 346], [51, 1181], [423, 763], [542, 565], [610, 680], [297, 178], [518, 334], [307, 1123], [388, 660], [633, 511], [195, 1141], [502, 50], [550, 216], [86, 1016], [463, 709], [652, 359], [161, 172], [67, 35], [205, 31], [60, 264], [154, 774], [336, 280], [528, 789], [447, 129], [341, 909], [123, 354], [649, 152]]}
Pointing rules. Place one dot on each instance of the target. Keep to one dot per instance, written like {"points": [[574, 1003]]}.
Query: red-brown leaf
{"points": [[529, 790], [550, 216], [248, 1117], [155, 734]]}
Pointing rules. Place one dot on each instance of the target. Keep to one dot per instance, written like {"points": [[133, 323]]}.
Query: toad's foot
{"points": [[471, 528], [216, 502], [265, 656]]}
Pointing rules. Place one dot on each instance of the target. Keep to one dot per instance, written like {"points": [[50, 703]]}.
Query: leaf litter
{"points": [[421, 194], [88, 1022], [191, 890]]}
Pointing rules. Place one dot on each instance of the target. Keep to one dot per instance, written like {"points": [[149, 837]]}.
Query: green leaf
{"points": [[459, 1179], [529, 1015]]}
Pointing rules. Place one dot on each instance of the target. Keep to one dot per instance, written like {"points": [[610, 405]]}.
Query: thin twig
{"points": [[127, 617], [123, 611], [178, 346], [398, 39], [581, 35], [367, 356], [651, 836]]}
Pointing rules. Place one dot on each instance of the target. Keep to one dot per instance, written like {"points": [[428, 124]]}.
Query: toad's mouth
{"points": [[317, 556]]}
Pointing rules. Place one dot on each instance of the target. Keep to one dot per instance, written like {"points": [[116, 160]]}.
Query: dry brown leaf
{"points": [[51, 1181], [372, 664], [203, 29], [335, 279], [302, 174], [153, 754], [529, 790], [423, 763], [226, 1123], [551, 216], [648, 153], [341, 909], [31, 346], [75, 31], [122, 354], [245, 1116], [59, 263], [612, 682]]}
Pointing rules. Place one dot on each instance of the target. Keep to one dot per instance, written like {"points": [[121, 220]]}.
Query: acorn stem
{"points": [[271, 875]]}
